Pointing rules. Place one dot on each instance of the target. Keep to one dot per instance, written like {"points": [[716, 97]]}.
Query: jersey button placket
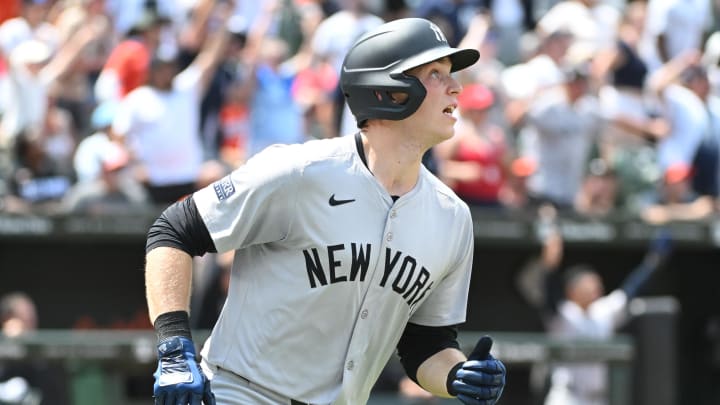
{"points": [[358, 345], [389, 235]]}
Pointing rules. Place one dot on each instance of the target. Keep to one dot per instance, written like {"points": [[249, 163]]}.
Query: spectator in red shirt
{"points": [[128, 64], [474, 163]]}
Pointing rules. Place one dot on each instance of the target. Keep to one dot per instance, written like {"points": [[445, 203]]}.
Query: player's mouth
{"points": [[449, 110]]}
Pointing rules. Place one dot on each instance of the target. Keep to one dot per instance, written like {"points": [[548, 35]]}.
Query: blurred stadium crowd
{"points": [[593, 106]]}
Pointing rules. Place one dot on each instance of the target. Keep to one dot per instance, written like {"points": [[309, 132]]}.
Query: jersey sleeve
{"points": [[447, 304], [254, 204], [610, 309]]}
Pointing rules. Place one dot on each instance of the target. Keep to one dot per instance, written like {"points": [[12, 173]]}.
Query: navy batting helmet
{"points": [[376, 64]]}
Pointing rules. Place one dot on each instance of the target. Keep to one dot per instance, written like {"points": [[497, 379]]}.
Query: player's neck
{"points": [[394, 162]]}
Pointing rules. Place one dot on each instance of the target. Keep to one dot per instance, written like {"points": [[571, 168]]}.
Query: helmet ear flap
{"points": [[394, 99]]}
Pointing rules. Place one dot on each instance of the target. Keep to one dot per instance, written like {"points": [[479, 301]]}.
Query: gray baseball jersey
{"points": [[328, 269]]}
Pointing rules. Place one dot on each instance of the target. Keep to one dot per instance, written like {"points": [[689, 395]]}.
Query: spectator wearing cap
{"points": [[543, 69], [475, 162], [563, 122], [88, 155], [690, 155], [694, 113], [114, 191]]}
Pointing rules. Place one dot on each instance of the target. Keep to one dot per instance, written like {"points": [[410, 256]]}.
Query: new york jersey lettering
{"points": [[401, 272]]}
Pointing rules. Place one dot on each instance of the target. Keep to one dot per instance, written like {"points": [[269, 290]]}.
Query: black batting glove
{"points": [[481, 379]]}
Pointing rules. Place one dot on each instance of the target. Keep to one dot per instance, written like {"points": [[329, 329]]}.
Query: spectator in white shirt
{"points": [[160, 121]]}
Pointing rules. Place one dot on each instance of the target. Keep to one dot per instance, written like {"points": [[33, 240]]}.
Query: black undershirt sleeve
{"points": [[418, 343], [180, 226]]}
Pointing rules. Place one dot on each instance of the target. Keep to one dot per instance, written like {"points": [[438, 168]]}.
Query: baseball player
{"points": [[573, 305], [346, 249]]}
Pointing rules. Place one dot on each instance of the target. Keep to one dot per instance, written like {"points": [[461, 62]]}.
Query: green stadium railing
{"points": [[97, 361]]}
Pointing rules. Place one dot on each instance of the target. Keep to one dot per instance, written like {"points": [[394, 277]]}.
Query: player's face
{"points": [[435, 116], [587, 289]]}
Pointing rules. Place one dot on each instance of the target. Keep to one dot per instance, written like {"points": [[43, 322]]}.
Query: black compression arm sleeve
{"points": [[180, 226], [418, 343]]}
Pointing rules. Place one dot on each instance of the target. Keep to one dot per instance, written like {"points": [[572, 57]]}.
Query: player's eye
{"points": [[439, 75]]}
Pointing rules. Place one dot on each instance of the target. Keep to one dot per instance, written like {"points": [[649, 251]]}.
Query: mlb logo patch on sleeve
{"points": [[224, 188]]}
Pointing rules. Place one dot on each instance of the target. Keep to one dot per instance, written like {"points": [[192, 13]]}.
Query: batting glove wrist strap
{"points": [[175, 323], [178, 378], [481, 379]]}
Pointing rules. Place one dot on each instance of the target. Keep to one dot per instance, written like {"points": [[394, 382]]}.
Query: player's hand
{"points": [[481, 379], [178, 378]]}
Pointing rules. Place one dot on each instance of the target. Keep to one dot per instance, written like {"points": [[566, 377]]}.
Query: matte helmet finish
{"points": [[375, 66]]}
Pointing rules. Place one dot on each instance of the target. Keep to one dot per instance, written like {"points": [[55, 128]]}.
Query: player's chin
{"points": [[441, 136], [446, 133], [450, 121]]}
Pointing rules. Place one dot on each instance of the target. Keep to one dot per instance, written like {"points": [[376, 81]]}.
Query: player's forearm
{"points": [[168, 273], [433, 373]]}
